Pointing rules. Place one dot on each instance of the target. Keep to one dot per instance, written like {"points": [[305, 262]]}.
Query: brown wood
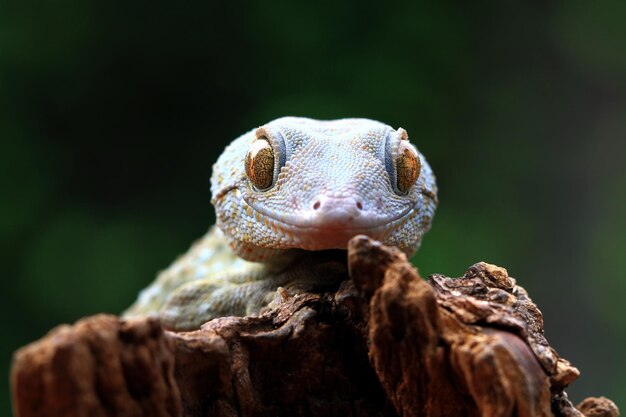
{"points": [[385, 343]]}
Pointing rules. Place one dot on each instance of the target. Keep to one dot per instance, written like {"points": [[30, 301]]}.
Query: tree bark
{"points": [[385, 343]]}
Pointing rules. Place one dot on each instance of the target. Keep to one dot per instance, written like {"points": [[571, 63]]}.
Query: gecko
{"points": [[288, 197]]}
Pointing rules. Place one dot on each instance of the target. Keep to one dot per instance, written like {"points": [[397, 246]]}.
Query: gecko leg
{"points": [[199, 301]]}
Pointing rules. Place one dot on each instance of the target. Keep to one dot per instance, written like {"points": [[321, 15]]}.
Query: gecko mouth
{"points": [[334, 214], [330, 229]]}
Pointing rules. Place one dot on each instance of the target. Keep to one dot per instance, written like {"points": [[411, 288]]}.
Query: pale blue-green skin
{"points": [[345, 166]]}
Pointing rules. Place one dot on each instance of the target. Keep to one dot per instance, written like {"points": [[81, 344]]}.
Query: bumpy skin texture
{"points": [[332, 180]]}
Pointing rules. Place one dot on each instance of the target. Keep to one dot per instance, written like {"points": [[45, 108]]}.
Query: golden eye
{"points": [[260, 164], [408, 167]]}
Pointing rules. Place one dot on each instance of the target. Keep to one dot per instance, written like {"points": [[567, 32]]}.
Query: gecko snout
{"points": [[326, 203], [335, 211]]}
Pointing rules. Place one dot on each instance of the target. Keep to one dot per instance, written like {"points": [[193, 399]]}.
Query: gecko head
{"points": [[313, 185]]}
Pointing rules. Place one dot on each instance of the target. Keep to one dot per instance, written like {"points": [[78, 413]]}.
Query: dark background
{"points": [[112, 114]]}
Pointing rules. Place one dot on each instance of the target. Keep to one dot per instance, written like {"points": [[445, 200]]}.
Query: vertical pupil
{"points": [[259, 164], [407, 169]]}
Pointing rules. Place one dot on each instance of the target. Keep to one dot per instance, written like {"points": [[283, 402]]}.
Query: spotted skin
{"points": [[331, 181]]}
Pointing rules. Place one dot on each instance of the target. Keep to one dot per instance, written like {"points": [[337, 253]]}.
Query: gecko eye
{"points": [[260, 164], [408, 166]]}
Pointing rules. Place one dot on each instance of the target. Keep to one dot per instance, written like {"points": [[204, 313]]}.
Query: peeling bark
{"points": [[386, 343]]}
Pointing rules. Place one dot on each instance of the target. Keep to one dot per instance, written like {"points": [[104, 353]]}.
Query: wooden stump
{"points": [[385, 343]]}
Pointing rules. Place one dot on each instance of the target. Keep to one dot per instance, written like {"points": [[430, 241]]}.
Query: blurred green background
{"points": [[111, 115]]}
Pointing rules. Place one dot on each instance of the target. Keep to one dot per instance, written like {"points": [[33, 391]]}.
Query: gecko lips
{"points": [[331, 222]]}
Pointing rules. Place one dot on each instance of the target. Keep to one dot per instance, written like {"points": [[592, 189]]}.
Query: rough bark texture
{"points": [[386, 343]]}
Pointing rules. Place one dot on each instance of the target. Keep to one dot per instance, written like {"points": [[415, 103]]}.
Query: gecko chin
{"points": [[322, 238]]}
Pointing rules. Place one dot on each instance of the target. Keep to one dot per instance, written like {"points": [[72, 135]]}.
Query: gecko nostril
{"points": [[316, 205], [359, 205]]}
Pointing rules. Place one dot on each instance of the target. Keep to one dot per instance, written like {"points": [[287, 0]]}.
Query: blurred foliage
{"points": [[111, 115]]}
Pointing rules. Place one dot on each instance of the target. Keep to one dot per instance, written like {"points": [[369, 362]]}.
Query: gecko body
{"points": [[288, 196]]}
